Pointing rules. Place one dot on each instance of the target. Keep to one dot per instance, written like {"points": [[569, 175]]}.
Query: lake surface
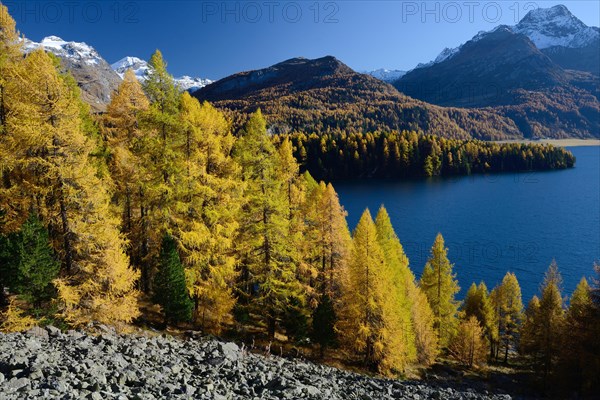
{"points": [[495, 223]]}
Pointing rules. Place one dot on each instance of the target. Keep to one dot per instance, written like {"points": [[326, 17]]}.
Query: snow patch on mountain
{"points": [[141, 68], [191, 84]]}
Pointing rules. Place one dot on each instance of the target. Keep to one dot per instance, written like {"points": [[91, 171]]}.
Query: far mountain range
{"points": [[539, 78]]}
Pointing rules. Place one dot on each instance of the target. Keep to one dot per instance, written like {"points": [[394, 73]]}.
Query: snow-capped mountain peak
{"points": [[74, 51], [545, 27], [556, 26], [141, 68], [386, 75]]}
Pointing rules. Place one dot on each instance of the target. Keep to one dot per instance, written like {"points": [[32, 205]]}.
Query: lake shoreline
{"points": [[556, 142]]}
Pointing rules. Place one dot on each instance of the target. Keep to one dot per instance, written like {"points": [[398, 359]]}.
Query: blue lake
{"points": [[495, 223]]}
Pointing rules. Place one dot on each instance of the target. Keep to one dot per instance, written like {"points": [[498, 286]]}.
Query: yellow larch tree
{"points": [[398, 302], [123, 135], [206, 212], [423, 319], [12, 197], [369, 323], [161, 161], [439, 283], [53, 168]]}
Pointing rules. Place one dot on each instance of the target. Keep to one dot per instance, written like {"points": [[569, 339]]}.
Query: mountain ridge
{"points": [[324, 94]]}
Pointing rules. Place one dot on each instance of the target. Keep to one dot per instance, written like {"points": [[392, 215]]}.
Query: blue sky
{"points": [[213, 39]]}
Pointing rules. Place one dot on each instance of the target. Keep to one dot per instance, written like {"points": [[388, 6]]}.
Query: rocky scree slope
{"points": [[46, 363]]}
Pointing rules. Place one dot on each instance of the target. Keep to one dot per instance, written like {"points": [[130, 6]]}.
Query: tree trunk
{"points": [[144, 248], [271, 327], [65, 230]]}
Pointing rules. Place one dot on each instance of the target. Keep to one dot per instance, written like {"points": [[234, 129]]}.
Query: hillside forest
{"points": [[157, 205]]}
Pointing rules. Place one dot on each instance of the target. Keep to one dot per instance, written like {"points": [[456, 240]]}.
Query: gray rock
{"points": [[78, 365], [231, 351], [17, 383], [38, 332], [53, 331]]}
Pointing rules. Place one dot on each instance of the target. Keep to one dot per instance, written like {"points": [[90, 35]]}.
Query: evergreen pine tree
{"points": [[323, 324], [37, 264], [170, 290], [439, 284], [8, 261]]}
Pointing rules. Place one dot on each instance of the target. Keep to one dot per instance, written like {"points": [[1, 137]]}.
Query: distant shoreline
{"points": [[556, 142]]}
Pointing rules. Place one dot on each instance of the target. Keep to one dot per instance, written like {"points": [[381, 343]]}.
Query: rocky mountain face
{"points": [[326, 95], [534, 73], [46, 363], [94, 75], [141, 69]]}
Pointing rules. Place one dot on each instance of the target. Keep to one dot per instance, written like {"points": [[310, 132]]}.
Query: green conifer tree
{"points": [[323, 324], [170, 290], [37, 263]]}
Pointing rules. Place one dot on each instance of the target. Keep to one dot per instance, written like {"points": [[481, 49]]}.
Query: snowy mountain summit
{"points": [[556, 26], [387, 75], [545, 27], [141, 69], [74, 51]]}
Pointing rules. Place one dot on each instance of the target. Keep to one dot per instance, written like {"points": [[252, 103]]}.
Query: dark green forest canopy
{"points": [[409, 154]]}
